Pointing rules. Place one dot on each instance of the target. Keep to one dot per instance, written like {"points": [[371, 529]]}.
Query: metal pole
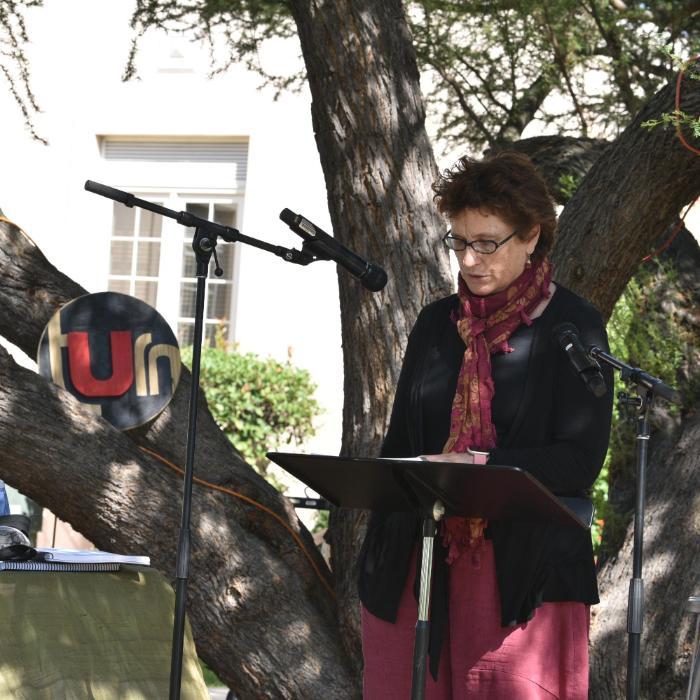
{"points": [[200, 245], [635, 605], [420, 649]]}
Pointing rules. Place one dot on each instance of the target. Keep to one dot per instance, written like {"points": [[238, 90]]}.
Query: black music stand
{"points": [[432, 490]]}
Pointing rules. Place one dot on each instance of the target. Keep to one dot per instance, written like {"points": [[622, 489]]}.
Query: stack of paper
{"points": [[94, 556], [51, 559]]}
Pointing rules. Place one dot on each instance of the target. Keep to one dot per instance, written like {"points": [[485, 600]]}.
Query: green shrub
{"points": [[260, 404], [211, 680], [642, 334]]}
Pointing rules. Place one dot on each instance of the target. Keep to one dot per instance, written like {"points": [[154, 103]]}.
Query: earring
{"points": [[528, 262]]}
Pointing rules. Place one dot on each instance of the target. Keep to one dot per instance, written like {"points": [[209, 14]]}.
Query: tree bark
{"points": [[558, 156], [256, 607], [378, 165], [670, 573], [672, 545], [671, 529], [632, 192]]}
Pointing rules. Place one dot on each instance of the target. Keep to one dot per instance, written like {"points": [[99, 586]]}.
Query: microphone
{"points": [[324, 246], [567, 337]]}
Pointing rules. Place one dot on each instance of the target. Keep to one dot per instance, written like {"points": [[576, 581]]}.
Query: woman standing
{"points": [[510, 603]]}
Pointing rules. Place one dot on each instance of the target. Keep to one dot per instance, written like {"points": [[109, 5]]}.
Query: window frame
{"points": [[173, 239]]}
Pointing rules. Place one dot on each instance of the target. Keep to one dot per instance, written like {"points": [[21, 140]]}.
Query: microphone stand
{"points": [[647, 387], [422, 638], [204, 246]]}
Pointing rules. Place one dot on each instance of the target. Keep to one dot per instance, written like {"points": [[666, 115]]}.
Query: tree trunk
{"points": [[672, 545], [670, 572], [671, 529], [256, 606], [378, 165]]}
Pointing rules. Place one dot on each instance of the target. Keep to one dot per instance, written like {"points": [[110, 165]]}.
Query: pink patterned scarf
{"points": [[485, 324]]}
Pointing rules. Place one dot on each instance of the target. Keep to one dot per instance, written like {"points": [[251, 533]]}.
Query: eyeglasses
{"points": [[480, 246]]}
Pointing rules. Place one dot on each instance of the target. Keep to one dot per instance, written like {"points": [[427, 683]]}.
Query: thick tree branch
{"points": [[459, 93], [639, 185], [559, 156], [256, 606], [524, 109], [620, 72], [560, 59]]}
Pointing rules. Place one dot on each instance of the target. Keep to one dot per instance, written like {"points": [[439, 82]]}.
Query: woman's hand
{"points": [[468, 457]]}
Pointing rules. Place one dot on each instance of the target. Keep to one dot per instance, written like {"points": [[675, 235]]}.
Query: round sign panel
{"points": [[115, 354]]}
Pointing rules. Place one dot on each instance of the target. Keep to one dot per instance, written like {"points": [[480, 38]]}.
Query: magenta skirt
{"points": [[543, 659]]}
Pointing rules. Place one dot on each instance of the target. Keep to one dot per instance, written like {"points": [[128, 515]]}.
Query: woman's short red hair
{"points": [[506, 184]]}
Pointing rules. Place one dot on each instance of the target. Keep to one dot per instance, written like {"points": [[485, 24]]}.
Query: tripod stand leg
{"points": [[420, 649]]}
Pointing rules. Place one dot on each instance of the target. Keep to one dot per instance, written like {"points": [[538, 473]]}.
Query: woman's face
{"points": [[488, 274]]}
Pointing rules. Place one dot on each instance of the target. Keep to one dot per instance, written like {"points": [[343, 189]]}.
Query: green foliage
{"points": [[690, 67], [497, 66], [643, 335], [322, 519], [260, 404], [675, 119], [568, 184], [211, 680], [234, 29], [14, 65], [640, 333], [678, 118], [602, 520]]}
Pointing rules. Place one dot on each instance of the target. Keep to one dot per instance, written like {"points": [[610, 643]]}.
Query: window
{"points": [[134, 266], [217, 303], [151, 258]]}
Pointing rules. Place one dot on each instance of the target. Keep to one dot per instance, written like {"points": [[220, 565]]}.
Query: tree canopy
{"points": [[14, 64], [571, 67], [578, 67]]}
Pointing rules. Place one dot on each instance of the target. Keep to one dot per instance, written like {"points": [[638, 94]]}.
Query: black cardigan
{"points": [[547, 423]]}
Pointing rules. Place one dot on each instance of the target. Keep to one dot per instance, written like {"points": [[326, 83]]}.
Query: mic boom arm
{"points": [[638, 376], [299, 257]]}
